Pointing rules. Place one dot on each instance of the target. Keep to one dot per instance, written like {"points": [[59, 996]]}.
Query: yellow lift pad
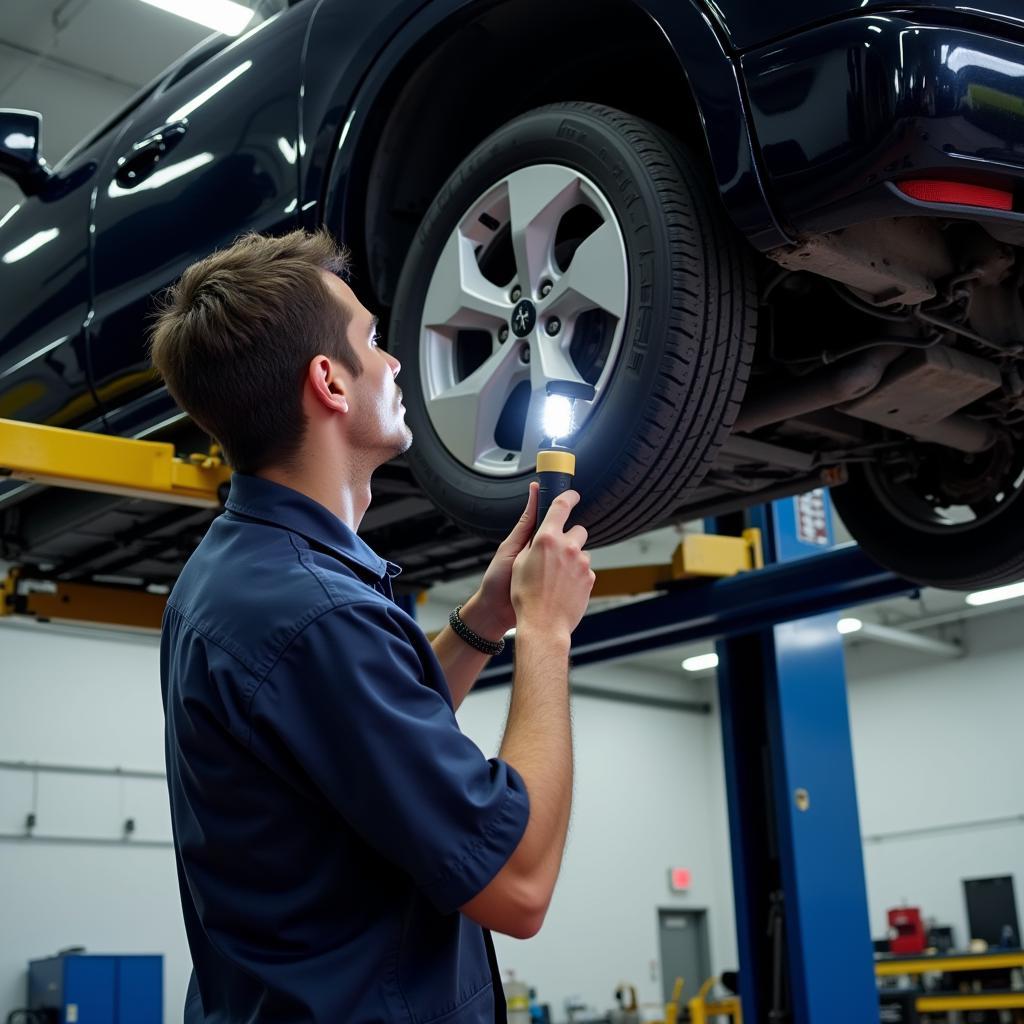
{"points": [[699, 556]]}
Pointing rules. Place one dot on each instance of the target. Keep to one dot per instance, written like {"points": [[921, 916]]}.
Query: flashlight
{"points": [[556, 462]]}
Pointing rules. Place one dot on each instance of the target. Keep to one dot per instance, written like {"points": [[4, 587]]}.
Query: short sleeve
{"points": [[350, 701]]}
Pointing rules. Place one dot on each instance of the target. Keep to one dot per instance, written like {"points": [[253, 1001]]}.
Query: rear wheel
{"points": [[576, 243], [941, 518]]}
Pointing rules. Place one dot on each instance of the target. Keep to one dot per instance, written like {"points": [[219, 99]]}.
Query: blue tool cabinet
{"points": [[91, 989]]}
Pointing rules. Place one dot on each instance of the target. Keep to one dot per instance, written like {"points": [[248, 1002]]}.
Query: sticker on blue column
{"points": [[803, 525]]}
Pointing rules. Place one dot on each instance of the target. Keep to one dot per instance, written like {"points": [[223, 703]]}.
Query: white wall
{"points": [[938, 743], [645, 801], [94, 701]]}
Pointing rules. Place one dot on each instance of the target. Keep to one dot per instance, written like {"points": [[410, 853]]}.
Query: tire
{"points": [[975, 557], [672, 392]]}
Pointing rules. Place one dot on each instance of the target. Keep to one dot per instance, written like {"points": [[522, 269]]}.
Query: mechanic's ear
{"points": [[327, 385]]}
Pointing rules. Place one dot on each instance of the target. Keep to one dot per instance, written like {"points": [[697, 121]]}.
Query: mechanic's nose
{"points": [[395, 365]]}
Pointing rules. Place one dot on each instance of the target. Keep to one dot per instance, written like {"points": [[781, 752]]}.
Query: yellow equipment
{"points": [[703, 1009]]}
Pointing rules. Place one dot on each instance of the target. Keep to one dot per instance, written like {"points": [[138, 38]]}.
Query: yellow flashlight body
{"points": [[555, 470]]}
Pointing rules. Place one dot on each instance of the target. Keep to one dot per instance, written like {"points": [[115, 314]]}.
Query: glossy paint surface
{"points": [[749, 23], [44, 299], [267, 132], [207, 158], [842, 109]]}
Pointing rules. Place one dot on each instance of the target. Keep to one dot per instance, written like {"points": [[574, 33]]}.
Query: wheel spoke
{"points": [[538, 197], [459, 295], [465, 416], [596, 278], [551, 361]]}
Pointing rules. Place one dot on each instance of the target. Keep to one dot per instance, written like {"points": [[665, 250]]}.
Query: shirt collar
{"points": [[277, 505]]}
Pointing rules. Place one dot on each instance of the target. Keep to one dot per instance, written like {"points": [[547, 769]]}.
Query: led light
{"points": [[701, 662], [557, 416], [997, 594], [221, 15], [29, 246], [849, 626]]}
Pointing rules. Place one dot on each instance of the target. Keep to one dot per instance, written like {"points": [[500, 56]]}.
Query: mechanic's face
{"points": [[377, 418]]}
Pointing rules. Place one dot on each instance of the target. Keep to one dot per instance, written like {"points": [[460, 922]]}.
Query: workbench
{"points": [[957, 963]]}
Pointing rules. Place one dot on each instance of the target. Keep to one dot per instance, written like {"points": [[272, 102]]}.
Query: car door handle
{"points": [[145, 156]]}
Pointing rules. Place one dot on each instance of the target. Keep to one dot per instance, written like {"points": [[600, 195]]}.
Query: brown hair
{"points": [[234, 336]]}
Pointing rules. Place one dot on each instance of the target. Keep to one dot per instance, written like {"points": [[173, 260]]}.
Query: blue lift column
{"points": [[798, 869]]}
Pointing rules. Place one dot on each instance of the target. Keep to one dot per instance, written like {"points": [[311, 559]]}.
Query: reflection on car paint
{"points": [[163, 176], [197, 101], [30, 245]]}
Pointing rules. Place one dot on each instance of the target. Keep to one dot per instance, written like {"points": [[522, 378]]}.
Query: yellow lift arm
{"points": [[87, 603], [110, 465]]}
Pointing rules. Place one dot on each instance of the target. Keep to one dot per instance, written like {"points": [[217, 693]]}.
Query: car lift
{"points": [[109, 465], [801, 908]]}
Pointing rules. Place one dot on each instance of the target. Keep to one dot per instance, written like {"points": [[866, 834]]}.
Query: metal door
{"points": [[683, 939]]}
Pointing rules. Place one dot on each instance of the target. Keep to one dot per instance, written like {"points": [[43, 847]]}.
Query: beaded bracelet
{"points": [[474, 640]]}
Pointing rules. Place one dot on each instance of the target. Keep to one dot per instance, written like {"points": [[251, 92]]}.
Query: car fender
{"points": [[353, 56]]}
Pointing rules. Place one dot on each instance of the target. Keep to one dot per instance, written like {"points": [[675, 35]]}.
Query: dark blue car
{"points": [[782, 241]]}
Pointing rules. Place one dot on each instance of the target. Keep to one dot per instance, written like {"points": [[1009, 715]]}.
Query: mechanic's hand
{"points": [[492, 603], [552, 578]]}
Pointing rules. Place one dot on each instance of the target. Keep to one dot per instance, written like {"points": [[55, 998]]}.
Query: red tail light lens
{"points": [[956, 193]]}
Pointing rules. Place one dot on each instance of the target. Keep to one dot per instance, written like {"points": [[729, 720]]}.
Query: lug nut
{"points": [[524, 355], [503, 334], [517, 293], [554, 325], [545, 289]]}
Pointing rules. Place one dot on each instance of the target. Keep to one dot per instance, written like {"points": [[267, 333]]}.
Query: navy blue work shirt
{"points": [[329, 816]]}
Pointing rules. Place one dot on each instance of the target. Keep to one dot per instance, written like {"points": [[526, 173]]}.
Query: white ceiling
{"points": [[79, 61]]}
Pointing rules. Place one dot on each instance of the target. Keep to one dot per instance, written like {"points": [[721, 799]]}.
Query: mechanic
{"points": [[342, 848]]}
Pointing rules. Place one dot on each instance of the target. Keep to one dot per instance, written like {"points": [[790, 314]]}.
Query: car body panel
{"points": [[44, 299], [232, 167], [749, 23], [341, 97], [841, 109]]}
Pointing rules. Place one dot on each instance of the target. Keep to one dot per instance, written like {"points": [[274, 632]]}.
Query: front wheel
{"points": [[575, 243]]}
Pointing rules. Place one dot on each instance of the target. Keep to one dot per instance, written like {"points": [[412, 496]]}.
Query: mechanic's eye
{"points": [[374, 340]]}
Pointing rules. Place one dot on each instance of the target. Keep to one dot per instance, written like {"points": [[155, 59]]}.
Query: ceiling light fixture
{"points": [[701, 662], [849, 626], [1006, 593], [221, 15]]}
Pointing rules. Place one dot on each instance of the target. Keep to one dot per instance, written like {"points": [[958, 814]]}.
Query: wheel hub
{"points": [[524, 318], [540, 254]]}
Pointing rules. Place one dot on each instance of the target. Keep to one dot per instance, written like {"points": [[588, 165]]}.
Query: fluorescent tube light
{"points": [[849, 626], [701, 662], [221, 15], [1006, 593]]}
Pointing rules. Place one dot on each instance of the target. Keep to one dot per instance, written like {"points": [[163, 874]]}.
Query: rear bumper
{"points": [[843, 112]]}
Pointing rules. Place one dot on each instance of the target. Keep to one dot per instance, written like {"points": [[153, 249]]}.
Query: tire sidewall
{"points": [[590, 146], [989, 555]]}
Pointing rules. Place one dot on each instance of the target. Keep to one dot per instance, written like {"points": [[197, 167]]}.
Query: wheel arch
{"points": [[451, 77]]}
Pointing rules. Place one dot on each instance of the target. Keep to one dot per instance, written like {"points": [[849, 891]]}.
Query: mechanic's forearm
{"points": [[538, 744], [462, 664]]}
